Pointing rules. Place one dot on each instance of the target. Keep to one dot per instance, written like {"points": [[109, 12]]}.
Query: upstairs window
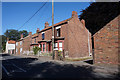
{"points": [[43, 36], [58, 32], [35, 40], [20, 42]]}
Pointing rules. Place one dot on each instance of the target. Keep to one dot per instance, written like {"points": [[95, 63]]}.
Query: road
{"points": [[19, 67]]}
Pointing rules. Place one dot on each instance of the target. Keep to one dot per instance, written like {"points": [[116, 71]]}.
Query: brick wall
{"points": [[106, 44], [25, 44], [78, 39]]}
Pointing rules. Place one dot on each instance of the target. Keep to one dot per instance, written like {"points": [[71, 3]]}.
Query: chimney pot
{"points": [[74, 14], [30, 33], [83, 22], [37, 30]]}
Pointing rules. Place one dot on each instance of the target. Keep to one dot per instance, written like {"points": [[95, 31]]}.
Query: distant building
{"points": [[23, 44], [10, 46]]}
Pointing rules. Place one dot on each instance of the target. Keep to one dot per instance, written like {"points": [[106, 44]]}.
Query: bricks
{"points": [[73, 35], [23, 44], [108, 43]]}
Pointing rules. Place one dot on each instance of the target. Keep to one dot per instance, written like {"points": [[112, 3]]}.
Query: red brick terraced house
{"points": [[71, 35], [34, 40], [23, 44]]}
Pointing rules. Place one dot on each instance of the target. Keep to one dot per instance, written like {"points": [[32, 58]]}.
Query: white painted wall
{"points": [[9, 47]]}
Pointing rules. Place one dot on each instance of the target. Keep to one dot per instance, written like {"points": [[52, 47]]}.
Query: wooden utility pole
{"points": [[52, 30]]}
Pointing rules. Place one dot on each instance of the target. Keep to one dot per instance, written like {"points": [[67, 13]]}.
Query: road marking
{"points": [[16, 66], [5, 70], [19, 67]]}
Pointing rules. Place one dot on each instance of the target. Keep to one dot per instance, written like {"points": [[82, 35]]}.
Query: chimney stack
{"points": [[74, 14], [83, 22], [30, 33], [21, 36], [37, 30], [46, 24]]}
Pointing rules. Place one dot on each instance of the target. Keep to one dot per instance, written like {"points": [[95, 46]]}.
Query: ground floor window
{"points": [[56, 46], [20, 49], [16, 50], [60, 46], [43, 47]]}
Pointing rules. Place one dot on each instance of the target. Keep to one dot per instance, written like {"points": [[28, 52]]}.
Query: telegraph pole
{"points": [[52, 30]]}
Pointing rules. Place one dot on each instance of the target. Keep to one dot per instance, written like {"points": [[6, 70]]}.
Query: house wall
{"points": [[25, 44], [78, 39], [75, 38], [106, 43], [18, 46], [9, 47]]}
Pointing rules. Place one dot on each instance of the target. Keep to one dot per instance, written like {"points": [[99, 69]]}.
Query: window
{"points": [[20, 42], [35, 40], [60, 46], [43, 36], [16, 50], [43, 47], [56, 46], [40, 45], [16, 43], [58, 32], [20, 50]]}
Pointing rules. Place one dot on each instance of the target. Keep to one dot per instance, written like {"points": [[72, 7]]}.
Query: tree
{"points": [[15, 34], [2, 42], [12, 34], [24, 32], [98, 14]]}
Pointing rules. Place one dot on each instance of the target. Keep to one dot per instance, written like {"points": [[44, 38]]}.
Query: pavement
{"points": [[23, 66]]}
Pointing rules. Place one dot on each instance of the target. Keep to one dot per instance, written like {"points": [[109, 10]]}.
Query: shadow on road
{"points": [[89, 61], [4, 54], [50, 70]]}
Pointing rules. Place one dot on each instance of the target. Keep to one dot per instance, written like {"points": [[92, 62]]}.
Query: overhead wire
{"points": [[33, 15]]}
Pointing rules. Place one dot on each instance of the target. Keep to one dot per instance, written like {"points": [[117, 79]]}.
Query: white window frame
{"points": [[61, 46], [20, 42], [20, 50], [16, 50], [16, 43], [58, 27]]}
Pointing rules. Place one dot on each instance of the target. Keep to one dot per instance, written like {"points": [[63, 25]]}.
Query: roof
{"points": [[11, 42], [44, 41], [64, 21], [33, 44], [22, 38], [34, 35]]}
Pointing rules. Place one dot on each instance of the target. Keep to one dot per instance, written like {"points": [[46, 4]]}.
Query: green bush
{"points": [[59, 53], [36, 49]]}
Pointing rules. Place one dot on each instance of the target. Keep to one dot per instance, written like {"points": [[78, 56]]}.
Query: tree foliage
{"points": [[15, 34], [36, 49], [98, 14], [2, 42]]}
